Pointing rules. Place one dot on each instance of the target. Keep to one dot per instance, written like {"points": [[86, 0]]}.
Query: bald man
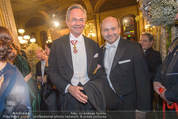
{"points": [[40, 66], [127, 72], [41, 74]]}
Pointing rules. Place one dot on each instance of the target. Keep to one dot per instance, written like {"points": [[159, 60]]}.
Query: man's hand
{"points": [[46, 58], [45, 79], [75, 91], [39, 78], [98, 66], [162, 95], [157, 86]]}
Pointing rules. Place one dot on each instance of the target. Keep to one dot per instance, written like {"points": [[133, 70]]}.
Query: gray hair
{"points": [[149, 35], [75, 6]]}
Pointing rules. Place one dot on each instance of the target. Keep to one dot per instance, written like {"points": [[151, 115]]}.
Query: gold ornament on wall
{"points": [[90, 31]]}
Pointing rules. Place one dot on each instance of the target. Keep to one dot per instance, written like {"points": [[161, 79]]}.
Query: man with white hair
{"points": [[73, 62]]}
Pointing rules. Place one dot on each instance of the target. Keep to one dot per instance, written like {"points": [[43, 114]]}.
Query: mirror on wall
{"points": [[128, 26]]}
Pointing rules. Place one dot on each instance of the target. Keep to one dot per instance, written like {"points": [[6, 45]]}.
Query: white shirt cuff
{"points": [[67, 88]]}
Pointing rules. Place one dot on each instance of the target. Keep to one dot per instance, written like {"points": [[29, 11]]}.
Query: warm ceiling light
{"points": [[147, 26], [21, 31], [20, 38], [26, 37], [32, 40], [23, 41], [56, 23]]}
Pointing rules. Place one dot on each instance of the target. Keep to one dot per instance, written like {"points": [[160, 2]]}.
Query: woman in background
{"points": [[11, 80], [47, 48], [24, 67], [50, 94]]}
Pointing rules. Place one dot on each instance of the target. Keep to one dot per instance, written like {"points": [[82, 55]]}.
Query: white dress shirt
{"points": [[109, 57], [43, 63], [79, 61]]}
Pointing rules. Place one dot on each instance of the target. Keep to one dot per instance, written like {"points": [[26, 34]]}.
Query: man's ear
{"points": [[152, 43], [119, 30], [67, 22]]}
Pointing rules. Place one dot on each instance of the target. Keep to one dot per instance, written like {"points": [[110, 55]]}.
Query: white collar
{"points": [[80, 38], [115, 44]]}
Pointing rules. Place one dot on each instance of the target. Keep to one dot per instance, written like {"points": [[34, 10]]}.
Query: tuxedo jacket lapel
{"points": [[89, 53], [103, 48], [67, 51], [119, 52]]}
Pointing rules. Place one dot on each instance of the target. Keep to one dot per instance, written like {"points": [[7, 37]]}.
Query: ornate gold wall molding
{"points": [[5, 14], [2, 20], [64, 7], [7, 18], [98, 5], [163, 42], [88, 6]]}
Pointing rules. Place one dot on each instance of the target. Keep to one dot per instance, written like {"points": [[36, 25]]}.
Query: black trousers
{"points": [[69, 103]]}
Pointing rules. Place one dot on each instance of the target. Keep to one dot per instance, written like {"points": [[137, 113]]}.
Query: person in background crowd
{"points": [[11, 80], [51, 94], [41, 75], [153, 59], [167, 75], [24, 67], [23, 53], [73, 62], [126, 70], [47, 48], [40, 66]]}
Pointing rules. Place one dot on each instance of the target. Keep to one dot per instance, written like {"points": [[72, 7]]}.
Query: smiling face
{"points": [[110, 30], [145, 42], [76, 22]]}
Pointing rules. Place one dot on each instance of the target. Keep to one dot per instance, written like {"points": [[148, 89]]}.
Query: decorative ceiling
{"points": [[26, 10]]}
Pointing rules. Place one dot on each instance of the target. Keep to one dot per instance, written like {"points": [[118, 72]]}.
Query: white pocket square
{"points": [[124, 61], [96, 55]]}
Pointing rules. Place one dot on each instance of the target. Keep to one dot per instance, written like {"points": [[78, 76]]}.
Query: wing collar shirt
{"points": [[109, 57], [79, 61]]}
